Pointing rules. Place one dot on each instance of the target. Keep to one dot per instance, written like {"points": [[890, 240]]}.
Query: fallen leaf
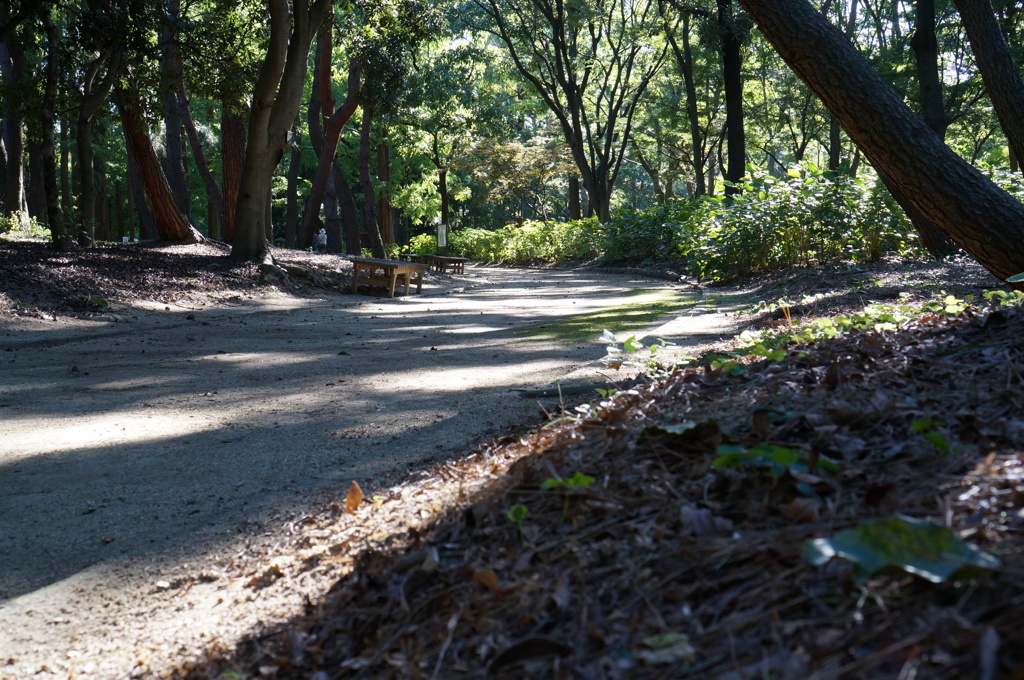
{"points": [[487, 577], [353, 498]]}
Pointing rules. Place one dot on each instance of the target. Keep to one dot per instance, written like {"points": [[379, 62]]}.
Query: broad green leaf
{"points": [[1016, 278], [928, 550]]}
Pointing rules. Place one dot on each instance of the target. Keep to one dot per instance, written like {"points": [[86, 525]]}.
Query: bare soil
{"points": [[169, 424]]}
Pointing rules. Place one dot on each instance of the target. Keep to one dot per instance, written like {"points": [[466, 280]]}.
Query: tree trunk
{"points": [[232, 151], [926, 55], [36, 197], [923, 172], [333, 124], [147, 226], [12, 63], [171, 81], [94, 93], [575, 212], [349, 213], [692, 117], [384, 217], [732, 63], [171, 224], [1002, 81], [66, 195], [291, 220], [209, 181], [369, 206], [275, 104], [55, 214]]}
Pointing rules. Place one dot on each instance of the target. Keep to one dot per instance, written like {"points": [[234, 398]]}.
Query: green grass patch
{"points": [[644, 309]]}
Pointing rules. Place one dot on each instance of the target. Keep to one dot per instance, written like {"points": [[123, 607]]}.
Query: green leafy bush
{"points": [[526, 243], [645, 237], [807, 217]]}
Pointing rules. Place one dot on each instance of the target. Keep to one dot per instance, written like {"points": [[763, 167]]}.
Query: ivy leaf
{"points": [[927, 549]]}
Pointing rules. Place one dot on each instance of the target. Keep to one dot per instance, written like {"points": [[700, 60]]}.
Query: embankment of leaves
{"points": [[621, 542], [38, 280]]}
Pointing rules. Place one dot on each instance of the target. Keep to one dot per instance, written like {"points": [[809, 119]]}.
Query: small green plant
{"points": [[771, 459], [577, 481], [517, 515], [926, 427], [568, 485]]}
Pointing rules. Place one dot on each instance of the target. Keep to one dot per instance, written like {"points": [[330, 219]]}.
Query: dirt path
{"points": [[158, 446]]}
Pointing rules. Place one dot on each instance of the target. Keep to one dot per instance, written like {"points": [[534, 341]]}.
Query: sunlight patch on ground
{"points": [[642, 309]]}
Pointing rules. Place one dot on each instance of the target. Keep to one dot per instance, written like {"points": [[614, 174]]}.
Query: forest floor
{"points": [[181, 443]]}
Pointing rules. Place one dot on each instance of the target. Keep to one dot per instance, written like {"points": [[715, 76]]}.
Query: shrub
{"points": [[643, 237]]}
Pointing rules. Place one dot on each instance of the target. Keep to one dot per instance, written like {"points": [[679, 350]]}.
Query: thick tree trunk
{"points": [[366, 183], [923, 172], [1002, 81], [170, 222], [232, 151], [732, 67], [275, 104], [147, 226]]}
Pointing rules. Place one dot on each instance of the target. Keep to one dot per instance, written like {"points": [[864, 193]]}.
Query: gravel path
{"points": [[149, 457]]}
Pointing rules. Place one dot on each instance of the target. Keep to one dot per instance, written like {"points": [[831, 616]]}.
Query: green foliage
{"points": [[645, 237], [928, 550], [527, 243], [773, 460], [577, 481], [808, 217], [21, 225]]}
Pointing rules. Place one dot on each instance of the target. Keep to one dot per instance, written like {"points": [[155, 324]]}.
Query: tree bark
{"points": [[384, 217], [1002, 81], [275, 104], [171, 82], [366, 183], [202, 166], [923, 172], [14, 191], [94, 93], [232, 151], [171, 224], [291, 220], [333, 123], [55, 213], [732, 74], [575, 211], [349, 213]]}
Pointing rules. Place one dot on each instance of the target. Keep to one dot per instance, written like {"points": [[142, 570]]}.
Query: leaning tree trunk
{"points": [[980, 217], [170, 222], [1002, 81], [171, 81]]}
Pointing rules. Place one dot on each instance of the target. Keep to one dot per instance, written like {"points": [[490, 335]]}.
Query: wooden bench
{"points": [[443, 263], [440, 263], [386, 274]]}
